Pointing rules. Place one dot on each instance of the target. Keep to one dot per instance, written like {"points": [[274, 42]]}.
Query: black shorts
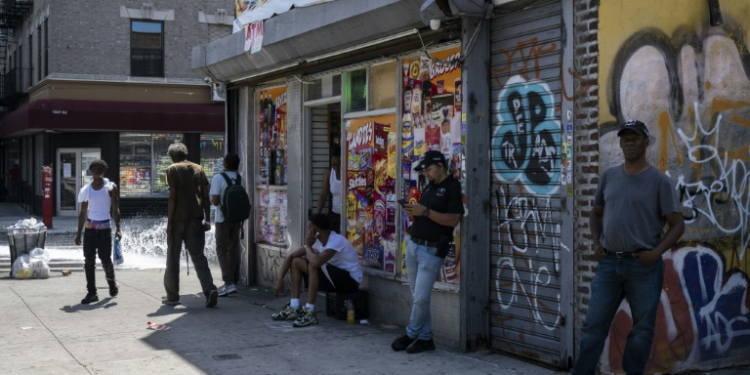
{"points": [[339, 281]]}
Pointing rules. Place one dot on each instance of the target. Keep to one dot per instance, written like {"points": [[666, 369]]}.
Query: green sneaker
{"points": [[305, 319], [288, 313]]}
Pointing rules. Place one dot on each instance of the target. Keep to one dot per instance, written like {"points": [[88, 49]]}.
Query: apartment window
{"points": [[147, 49]]}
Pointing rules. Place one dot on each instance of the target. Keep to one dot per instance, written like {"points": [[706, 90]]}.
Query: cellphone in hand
{"points": [[402, 202]]}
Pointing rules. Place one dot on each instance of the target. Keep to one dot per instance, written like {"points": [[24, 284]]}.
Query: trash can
{"points": [[22, 240]]}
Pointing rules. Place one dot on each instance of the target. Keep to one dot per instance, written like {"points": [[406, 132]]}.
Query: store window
{"points": [[383, 82], [271, 189], [143, 163], [212, 154], [355, 90]]}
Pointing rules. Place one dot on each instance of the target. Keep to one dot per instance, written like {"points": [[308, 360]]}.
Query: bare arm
{"points": [[288, 261], [115, 210], [676, 229], [215, 200], [317, 260], [81, 220], [324, 191], [595, 223]]}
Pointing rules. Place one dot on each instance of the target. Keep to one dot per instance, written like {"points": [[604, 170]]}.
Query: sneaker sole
{"points": [[303, 325], [211, 300]]}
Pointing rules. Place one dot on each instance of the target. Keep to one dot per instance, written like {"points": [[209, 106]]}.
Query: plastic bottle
{"points": [[117, 252], [349, 311]]}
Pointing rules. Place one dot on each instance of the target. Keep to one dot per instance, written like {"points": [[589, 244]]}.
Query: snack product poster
{"points": [[371, 199], [272, 167], [431, 120]]}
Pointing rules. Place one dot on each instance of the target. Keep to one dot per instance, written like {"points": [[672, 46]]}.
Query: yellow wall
{"points": [[619, 19]]}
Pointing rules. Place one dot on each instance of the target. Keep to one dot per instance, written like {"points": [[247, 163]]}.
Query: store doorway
{"points": [[72, 174], [325, 131]]}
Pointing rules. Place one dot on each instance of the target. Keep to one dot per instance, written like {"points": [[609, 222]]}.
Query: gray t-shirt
{"points": [[635, 208]]}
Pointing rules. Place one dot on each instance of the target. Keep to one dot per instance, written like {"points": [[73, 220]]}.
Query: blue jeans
{"points": [[423, 266], [617, 278]]}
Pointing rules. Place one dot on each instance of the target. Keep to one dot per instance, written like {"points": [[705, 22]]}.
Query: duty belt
{"points": [[422, 242]]}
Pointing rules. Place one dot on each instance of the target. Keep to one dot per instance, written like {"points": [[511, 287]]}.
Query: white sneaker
{"points": [[227, 289]]}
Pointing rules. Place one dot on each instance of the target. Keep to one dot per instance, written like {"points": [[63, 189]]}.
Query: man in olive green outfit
{"points": [[188, 218]]}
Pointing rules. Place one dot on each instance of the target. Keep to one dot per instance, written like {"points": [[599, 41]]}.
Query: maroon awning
{"points": [[88, 115]]}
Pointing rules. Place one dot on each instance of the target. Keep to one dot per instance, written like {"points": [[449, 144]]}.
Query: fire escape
{"points": [[12, 15]]}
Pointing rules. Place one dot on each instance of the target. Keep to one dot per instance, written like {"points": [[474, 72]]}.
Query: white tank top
{"points": [[335, 185], [99, 203]]}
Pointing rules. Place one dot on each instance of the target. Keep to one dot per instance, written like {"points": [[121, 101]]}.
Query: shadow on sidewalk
{"points": [[102, 304]]}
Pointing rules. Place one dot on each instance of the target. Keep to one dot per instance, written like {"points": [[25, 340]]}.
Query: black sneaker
{"points": [[212, 297], [90, 297], [419, 346], [166, 301], [401, 343], [113, 289]]}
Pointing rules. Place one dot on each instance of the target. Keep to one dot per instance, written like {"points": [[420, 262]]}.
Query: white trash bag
{"points": [[33, 265], [42, 254], [22, 268], [40, 269]]}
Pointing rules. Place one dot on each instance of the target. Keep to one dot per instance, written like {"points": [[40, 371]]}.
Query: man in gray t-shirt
{"points": [[633, 203]]}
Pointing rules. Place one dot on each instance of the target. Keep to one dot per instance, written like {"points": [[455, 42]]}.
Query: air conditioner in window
{"points": [[218, 92]]}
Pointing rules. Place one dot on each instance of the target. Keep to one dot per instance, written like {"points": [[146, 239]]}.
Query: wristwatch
{"points": [[426, 212]]}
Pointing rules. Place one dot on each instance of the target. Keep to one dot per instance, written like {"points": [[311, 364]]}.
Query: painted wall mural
{"points": [[690, 83]]}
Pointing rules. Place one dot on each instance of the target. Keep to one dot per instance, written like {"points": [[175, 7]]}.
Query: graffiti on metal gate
{"points": [[528, 270], [526, 144]]}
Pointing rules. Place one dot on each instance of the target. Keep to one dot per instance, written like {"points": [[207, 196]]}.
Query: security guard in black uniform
{"points": [[438, 212]]}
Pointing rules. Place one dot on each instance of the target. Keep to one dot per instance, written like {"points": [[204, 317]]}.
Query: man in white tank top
{"points": [[99, 201], [332, 186]]}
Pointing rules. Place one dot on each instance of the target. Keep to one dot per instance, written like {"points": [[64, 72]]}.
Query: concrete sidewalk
{"points": [[46, 331]]}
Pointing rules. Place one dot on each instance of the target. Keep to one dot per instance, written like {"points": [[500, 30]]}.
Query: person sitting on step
{"points": [[327, 262]]}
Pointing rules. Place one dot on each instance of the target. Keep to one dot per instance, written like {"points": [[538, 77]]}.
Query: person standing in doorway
{"points": [[188, 218], [332, 187], [99, 202], [227, 233], [438, 212], [633, 202]]}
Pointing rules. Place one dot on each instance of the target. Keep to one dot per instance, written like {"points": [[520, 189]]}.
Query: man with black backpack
{"points": [[228, 194]]}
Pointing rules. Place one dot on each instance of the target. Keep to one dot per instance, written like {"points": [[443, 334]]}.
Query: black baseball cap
{"points": [[634, 125], [430, 157]]}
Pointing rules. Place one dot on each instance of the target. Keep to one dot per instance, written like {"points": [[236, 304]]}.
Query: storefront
{"points": [[69, 134]]}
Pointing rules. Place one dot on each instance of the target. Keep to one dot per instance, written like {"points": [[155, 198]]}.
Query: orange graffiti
{"points": [[666, 133], [527, 52]]}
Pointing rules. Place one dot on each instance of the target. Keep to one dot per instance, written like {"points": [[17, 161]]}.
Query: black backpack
{"points": [[235, 204]]}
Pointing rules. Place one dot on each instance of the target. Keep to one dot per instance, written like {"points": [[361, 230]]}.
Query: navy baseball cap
{"points": [[430, 157], [634, 125]]}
